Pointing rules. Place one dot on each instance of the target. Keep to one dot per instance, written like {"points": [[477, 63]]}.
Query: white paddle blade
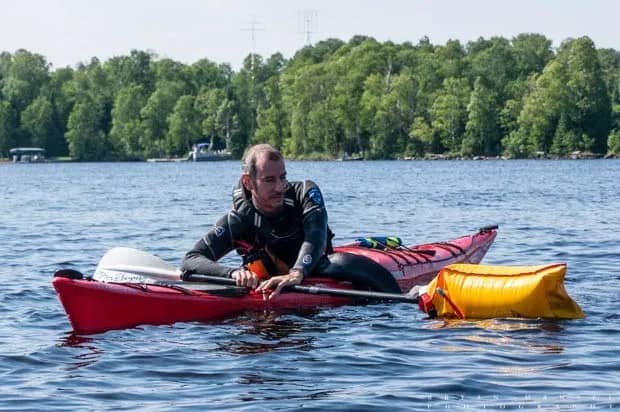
{"points": [[123, 264]]}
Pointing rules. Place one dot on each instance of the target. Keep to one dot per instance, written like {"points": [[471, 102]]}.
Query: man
{"points": [[279, 224]]}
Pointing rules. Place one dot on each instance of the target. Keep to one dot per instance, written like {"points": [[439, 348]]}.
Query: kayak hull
{"points": [[94, 307]]}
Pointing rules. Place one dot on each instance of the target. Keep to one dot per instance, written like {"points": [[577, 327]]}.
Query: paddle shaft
{"points": [[314, 290]]}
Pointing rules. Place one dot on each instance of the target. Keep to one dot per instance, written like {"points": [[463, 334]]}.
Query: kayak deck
{"points": [[418, 264], [94, 307]]}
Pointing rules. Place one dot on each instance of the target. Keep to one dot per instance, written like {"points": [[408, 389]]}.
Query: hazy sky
{"points": [[67, 32]]}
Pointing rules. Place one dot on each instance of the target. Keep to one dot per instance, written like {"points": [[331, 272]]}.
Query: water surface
{"points": [[376, 357]]}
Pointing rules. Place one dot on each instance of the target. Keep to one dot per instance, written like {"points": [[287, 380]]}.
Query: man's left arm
{"points": [[315, 229]]}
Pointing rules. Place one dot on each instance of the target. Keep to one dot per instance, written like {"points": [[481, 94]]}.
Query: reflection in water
{"points": [[262, 332], [504, 324], [92, 354], [74, 340], [507, 334]]}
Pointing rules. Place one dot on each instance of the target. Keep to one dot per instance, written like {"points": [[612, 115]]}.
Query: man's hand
{"points": [[294, 277], [245, 277]]}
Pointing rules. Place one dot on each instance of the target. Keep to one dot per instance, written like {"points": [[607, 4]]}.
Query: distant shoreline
{"points": [[425, 158]]}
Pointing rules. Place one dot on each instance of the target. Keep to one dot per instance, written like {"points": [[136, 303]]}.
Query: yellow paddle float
{"points": [[485, 291]]}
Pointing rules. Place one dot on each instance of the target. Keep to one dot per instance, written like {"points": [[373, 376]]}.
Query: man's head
{"points": [[264, 176]]}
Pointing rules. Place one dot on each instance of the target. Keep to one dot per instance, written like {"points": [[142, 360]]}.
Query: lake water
{"points": [[385, 356]]}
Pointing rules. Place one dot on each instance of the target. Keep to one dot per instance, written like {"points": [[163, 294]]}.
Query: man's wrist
{"points": [[298, 273]]}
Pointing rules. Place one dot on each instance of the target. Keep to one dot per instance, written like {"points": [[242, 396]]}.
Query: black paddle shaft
{"points": [[313, 290]]}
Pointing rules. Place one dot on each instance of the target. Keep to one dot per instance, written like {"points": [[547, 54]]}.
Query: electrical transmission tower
{"points": [[307, 23], [254, 27]]}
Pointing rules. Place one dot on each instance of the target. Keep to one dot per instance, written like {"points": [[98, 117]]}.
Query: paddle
{"points": [[123, 264], [127, 265], [313, 290]]}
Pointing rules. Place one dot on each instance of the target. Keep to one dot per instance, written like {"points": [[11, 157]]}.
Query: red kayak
{"points": [[94, 306]]}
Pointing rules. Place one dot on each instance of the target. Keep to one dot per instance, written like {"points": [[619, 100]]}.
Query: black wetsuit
{"points": [[298, 235]]}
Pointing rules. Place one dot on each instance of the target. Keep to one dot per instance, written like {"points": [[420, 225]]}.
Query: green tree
{"points": [[245, 89], [322, 51], [215, 110], [205, 73], [370, 104], [155, 115], [427, 73], [137, 68], [538, 118], [512, 107], [62, 105], [348, 70], [271, 117], [127, 128], [8, 126], [90, 86], [452, 59], [37, 122], [532, 52], [27, 73], [614, 142], [569, 107], [307, 95], [589, 106], [228, 121], [241, 91], [566, 138], [400, 105], [184, 126], [86, 140], [320, 131], [422, 136], [449, 114], [496, 65], [481, 131], [170, 71], [388, 111], [5, 65]]}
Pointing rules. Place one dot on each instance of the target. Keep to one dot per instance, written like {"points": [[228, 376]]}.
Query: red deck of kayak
{"points": [[94, 307]]}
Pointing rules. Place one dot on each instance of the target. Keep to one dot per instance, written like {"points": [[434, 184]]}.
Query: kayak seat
{"points": [[363, 272]]}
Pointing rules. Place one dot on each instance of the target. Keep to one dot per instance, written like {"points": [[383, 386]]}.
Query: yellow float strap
{"points": [[484, 291]]}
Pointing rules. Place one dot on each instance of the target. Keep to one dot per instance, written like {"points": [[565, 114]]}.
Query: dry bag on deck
{"points": [[379, 242], [482, 291]]}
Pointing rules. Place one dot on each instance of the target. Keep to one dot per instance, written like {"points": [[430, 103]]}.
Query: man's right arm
{"points": [[203, 257]]}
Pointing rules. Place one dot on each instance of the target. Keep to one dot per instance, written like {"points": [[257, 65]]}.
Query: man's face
{"points": [[269, 187]]}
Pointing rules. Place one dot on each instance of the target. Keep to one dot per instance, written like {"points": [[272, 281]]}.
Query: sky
{"points": [[68, 32]]}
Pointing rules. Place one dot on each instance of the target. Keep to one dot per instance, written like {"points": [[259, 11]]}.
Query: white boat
{"points": [[27, 155], [202, 152]]}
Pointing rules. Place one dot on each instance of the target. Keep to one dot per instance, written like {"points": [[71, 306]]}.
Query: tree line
{"points": [[517, 97]]}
